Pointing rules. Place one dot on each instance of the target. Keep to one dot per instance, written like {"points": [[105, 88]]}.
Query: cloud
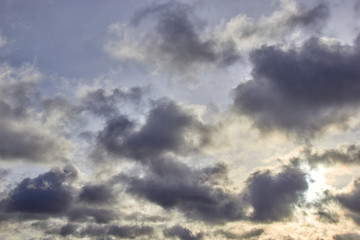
{"points": [[91, 230], [273, 197], [23, 134], [290, 18], [44, 196], [96, 194], [346, 236], [106, 102], [129, 231], [351, 200], [301, 90], [182, 233], [168, 128], [327, 216], [24, 144], [344, 154], [51, 195], [249, 234], [174, 44], [196, 193], [68, 229], [88, 214]]}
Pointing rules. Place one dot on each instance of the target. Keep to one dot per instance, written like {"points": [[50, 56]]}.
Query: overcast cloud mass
{"points": [[188, 120]]}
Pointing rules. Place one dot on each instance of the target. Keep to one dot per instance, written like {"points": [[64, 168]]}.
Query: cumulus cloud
{"points": [[344, 154], [201, 194], [174, 185], [96, 194], [301, 90], [347, 236], [90, 214], [168, 128], [273, 197], [182, 233], [41, 197], [174, 44], [246, 235], [106, 102], [350, 200], [327, 216], [53, 195], [248, 33], [96, 231], [23, 134]]}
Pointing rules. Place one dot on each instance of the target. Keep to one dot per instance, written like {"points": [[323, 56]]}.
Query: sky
{"points": [[186, 119]]}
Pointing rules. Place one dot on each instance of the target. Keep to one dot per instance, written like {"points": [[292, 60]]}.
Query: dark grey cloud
{"points": [[246, 235], [182, 233], [16, 97], [345, 154], [21, 136], [138, 216], [90, 214], [129, 231], [68, 229], [41, 197], [101, 102], [164, 131], [175, 43], [273, 196], [327, 216], [25, 145], [96, 194], [107, 103], [59, 104], [301, 90], [351, 201], [97, 230], [346, 236], [174, 185]]}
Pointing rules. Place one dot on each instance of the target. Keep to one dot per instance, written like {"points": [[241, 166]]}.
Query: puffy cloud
{"points": [[94, 231], [174, 185], [301, 90], [248, 33], [24, 135], [168, 128], [249, 234], [175, 44], [96, 194], [129, 231], [106, 102], [88, 214], [182, 233], [345, 154], [351, 200], [346, 236], [327, 216], [41, 197], [273, 197]]}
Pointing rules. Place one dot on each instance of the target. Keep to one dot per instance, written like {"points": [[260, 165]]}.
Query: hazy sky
{"points": [[186, 120]]}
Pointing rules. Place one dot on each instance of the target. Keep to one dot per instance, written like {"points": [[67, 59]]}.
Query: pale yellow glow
{"points": [[317, 183]]}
